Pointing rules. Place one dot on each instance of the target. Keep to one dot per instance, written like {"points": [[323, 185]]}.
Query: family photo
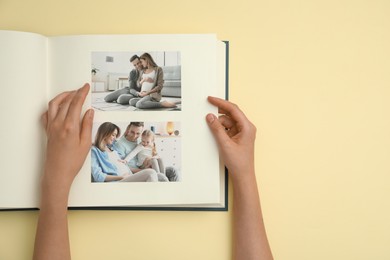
{"points": [[136, 81], [136, 152]]}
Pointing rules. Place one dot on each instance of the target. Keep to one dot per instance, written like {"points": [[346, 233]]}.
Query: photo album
{"points": [[151, 146]]}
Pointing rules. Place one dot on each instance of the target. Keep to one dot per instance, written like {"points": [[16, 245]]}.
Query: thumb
{"points": [[217, 129], [86, 127], [44, 120]]}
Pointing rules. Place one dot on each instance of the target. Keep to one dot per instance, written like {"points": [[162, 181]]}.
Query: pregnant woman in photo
{"points": [[106, 163], [151, 81]]}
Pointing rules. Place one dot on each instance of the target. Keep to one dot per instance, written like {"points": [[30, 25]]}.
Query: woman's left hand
{"points": [[68, 138], [68, 143]]}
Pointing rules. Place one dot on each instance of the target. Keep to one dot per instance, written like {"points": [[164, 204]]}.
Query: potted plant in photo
{"points": [[94, 71]]}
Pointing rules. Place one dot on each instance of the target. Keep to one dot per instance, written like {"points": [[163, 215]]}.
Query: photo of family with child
{"points": [[145, 152], [153, 83]]}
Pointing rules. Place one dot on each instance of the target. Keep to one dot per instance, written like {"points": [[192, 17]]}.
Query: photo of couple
{"points": [[153, 84], [145, 152]]}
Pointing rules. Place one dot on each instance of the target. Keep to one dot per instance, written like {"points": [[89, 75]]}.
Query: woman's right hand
{"points": [[122, 161], [143, 93]]}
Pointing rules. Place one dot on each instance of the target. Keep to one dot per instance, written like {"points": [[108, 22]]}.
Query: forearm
{"points": [[113, 178], [135, 170], [154, 90], [250, 240], [133, 84], [157, 88], [68, 143], [133, 153], [52, 239]]}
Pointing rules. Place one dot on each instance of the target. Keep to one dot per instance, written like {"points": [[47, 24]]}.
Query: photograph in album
{"points": [[136, 152], [136, 81]]}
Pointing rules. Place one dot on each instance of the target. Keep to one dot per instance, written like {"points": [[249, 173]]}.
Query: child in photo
{"points": [[146, 153]]}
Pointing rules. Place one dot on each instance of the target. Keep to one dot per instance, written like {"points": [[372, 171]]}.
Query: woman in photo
{"points": [[151, 81], [107, 165]]}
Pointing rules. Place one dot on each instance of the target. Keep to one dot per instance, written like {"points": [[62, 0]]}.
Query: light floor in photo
{"points": [[98, 103]]}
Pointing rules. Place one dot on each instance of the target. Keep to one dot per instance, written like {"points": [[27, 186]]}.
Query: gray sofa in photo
{"points": [[172, 81]]}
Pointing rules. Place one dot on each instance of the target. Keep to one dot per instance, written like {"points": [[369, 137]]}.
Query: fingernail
{"points": [[210, 118], [84, 86]]}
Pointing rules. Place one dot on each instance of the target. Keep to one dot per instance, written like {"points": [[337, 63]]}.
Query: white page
{"points": [[23, 84], [70, 67]]}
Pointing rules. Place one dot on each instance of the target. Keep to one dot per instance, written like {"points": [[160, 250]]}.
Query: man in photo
{"points": [[129, 141], [122, 96]]}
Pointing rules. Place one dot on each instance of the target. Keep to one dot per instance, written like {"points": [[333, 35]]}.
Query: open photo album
{"points": [[151, 146]]}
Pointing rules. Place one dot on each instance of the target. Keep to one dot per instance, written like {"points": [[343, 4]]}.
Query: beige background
{"points": [[314, 78]]}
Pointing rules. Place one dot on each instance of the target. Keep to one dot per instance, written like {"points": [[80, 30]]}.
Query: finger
{"points": [[226, 121], [64, 106], [230, 126], [55, 103], [86, 127], [222, 112], [44, 120], [217, 129], [232, 131], [74, 111], [228, 108], [232, 110]]}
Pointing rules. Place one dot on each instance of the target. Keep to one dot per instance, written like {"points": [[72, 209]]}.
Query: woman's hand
{"points": [[68, 138], [235, 136], [143, 94], [68, 143], [149, 80], [122, 161]]}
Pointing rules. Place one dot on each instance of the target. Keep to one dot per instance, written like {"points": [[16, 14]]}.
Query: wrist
{"points": [[56, 188], [56, 184], [54, 197], [243, 175]]}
